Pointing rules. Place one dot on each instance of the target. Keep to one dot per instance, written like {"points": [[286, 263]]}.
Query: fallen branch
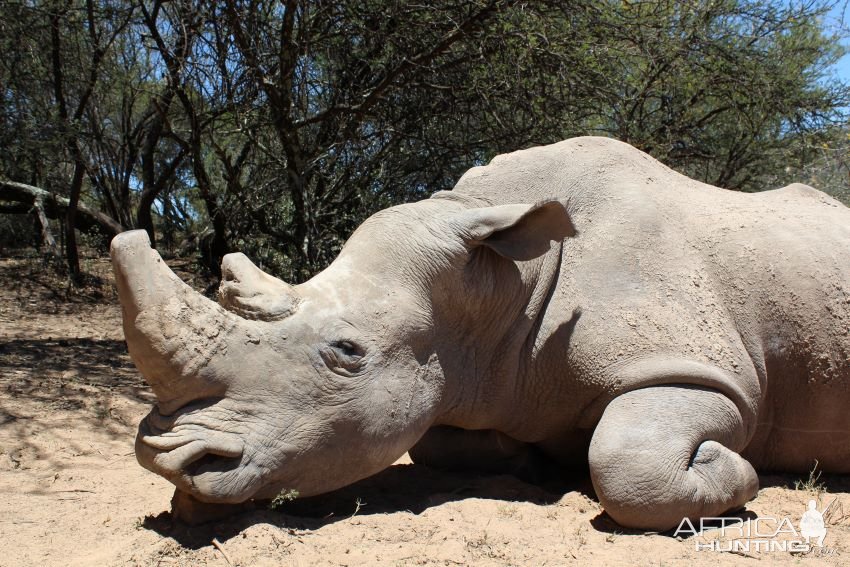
{"points": [[50, 205], [219, 547]]}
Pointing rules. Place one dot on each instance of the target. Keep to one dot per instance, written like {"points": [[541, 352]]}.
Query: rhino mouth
{"points": [[195, 453]]}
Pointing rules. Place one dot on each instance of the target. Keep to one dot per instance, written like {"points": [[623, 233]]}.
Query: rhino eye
{"points": [[344, 357]]}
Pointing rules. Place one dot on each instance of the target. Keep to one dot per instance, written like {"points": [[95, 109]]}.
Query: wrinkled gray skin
{"points": [[579, 300]]}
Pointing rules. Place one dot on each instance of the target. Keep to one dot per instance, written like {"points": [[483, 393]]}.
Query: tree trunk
{"points": [[218, 247], [47, 239], [71, 251], [144, 218]]}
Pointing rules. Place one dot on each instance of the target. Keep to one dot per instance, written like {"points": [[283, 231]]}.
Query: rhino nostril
{"points": [[166, 441], [228, 275]]}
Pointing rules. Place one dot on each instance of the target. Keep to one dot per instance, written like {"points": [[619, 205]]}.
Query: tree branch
{"points": [[55, 207], [420, 60]]}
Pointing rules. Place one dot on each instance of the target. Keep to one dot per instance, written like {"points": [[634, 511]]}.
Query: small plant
{"points": [[812, 484], [506, 511], [284, 496], [610, 538], [580, 537], [101, 412], [481, 541], [358, 503]]}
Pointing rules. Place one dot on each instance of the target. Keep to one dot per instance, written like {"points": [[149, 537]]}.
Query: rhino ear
{"points": [[517, 232]]}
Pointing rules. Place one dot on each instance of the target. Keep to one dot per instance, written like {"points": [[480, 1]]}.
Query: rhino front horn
{"points": [[176, 337]]}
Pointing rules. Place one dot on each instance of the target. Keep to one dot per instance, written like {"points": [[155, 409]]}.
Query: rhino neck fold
{"points": [[495, 351]]}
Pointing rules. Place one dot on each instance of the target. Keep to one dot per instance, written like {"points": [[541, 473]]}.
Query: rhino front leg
{"points": [[663, 453]]}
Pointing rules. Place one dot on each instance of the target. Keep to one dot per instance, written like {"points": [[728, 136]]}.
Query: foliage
{"points": [[284, 496], [813, 483], [824, 162], [277, 127]]}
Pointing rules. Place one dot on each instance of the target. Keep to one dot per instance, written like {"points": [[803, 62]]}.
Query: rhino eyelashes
{"points": [[344, 357]]}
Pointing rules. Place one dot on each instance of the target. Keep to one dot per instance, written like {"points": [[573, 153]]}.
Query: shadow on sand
{"points": [[405, 487], [415, 488]]}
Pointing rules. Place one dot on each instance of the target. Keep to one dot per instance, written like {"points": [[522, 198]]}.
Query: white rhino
{"points": [[579, 301]]}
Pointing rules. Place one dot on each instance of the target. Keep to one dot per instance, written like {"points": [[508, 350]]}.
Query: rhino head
{"points": [[315, 386]]}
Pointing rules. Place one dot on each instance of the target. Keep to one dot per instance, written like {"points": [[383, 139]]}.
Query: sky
{"points": [[839, 19]]}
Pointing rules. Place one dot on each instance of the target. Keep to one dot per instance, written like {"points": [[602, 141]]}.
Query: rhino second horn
{"points": [[174, 334], [253, 294]]}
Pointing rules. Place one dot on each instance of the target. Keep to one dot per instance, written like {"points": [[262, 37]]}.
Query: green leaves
{"points": [[282, 125]]}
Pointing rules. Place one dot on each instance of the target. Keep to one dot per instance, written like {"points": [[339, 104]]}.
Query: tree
{"points": [[278, 127], [72, 94]]}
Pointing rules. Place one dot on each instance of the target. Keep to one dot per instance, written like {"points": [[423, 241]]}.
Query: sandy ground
{"points": [[71, 492]]}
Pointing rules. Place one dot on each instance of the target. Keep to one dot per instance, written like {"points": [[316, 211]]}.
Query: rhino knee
{"points": [[652, 467]]}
